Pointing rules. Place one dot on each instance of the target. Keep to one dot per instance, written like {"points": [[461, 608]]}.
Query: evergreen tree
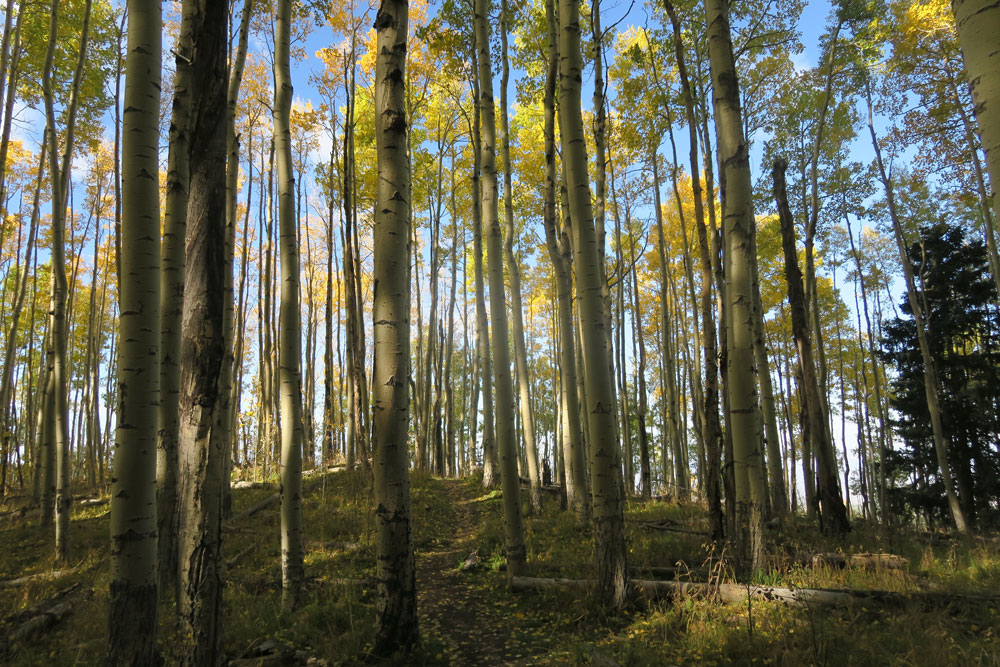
{"points": [[965, 343]]}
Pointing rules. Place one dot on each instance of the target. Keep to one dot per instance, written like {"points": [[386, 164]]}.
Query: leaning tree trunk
{"points": [[920, 318], [289, 342], [201, 450], [396, 599], [605, 459], [740, 254], [833, 517], [978, 24], [133, 600]]}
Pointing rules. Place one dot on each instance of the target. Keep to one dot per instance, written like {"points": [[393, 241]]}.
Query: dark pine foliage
{"points": [[955, 288]]}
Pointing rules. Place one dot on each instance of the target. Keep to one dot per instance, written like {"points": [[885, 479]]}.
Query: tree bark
{"points": [[977, 23], [606, 482], [574, 468], [833, 517], [133, 599], [58, 331], [506, 442], [740, 254], [289, 342], [396, 601], [514, 272], [202, 51], [923, 324], [172, 266]]}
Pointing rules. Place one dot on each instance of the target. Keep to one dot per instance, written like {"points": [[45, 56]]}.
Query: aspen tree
{"points": [[396, 599], [514, 272], [231, 391], [571, 446], [201, 450], [740, 254], [133, 599], [923, 324], [453, 467], [483, 355], [503, 388], [833, 518], [710, 427], [637, 340], [59, 168], [289, 341], [978, 24], [172, 303], [605, 458]]}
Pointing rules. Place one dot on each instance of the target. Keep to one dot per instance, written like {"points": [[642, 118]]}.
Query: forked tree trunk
{"points": [[833, 518], [570, 445], [133, 600], [396, 600]]}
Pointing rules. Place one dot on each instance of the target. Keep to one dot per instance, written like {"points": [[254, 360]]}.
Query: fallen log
{"points": [[31, 622], [669, 526], [739, 592], [548, 488], [238, 557], [31, 578], [364, 582], [671, 571], [865, 561], [267, 502], [249, 484], [274, 498], [93, 502]]}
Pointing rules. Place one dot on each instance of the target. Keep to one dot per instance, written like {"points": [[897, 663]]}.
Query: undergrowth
{"points": [[336, 622]]}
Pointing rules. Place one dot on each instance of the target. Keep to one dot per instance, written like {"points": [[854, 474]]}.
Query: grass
{"points": [[336, 621]]}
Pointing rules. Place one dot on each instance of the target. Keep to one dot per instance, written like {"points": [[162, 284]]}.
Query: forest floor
{"points": [[472, 618]]}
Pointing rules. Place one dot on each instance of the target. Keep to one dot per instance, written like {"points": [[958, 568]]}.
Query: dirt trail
{"points": [[451, 606]]}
